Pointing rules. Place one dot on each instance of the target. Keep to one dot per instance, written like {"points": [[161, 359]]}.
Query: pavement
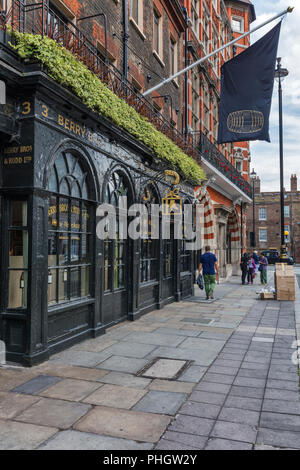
{"points": [[196, 375]]}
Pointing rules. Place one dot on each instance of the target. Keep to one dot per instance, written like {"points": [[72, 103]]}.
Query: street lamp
{"points": [[253, 176], [280, 75]]}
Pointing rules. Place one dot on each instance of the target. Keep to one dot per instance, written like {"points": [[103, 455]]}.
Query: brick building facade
{"points": [[267, 219]]}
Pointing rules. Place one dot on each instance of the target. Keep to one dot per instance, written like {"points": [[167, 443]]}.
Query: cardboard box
{"points": [[284, 282], [267, 296]]}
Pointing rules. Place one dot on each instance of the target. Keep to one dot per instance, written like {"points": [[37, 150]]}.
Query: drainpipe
{"points": [[125, 39]]}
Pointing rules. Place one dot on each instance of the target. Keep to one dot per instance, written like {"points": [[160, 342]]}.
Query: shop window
{"points": [[69, 231], [18, 255], [115, 251], [150, 244]]}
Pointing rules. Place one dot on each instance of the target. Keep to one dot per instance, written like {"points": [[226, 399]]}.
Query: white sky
{"points": [[265, 156]]}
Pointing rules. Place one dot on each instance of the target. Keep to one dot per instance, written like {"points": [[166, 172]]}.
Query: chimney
{"points": [[257, 185], [294, 183]]}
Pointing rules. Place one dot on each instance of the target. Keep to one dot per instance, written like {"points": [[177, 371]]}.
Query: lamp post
{"points": [[280, 75], [253, 179]]}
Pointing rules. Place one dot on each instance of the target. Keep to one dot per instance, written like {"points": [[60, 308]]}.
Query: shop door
{"points": [[169, 264]]}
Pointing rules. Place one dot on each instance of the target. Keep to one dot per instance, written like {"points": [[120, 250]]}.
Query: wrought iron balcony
{"points": [[211, 154], [39, 18]]}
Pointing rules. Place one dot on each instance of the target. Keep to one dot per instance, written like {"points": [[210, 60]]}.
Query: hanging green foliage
{"points": [[68, 71]]}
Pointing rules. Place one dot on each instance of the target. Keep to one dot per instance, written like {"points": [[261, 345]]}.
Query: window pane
{"points": [[63, 214], [52, 213], [75, 249], [17, 291], [53, 182], [52, 250], [85, 249], [85, 281], [63, 249], [18, 214], [75, 216], [63, 285], [18, 249], [52, 276], [75, 283], [86, 218]]}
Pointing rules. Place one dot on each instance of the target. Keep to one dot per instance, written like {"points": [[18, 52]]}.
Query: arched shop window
{"points": [[69, 231], [115, 251], [149, 245]]}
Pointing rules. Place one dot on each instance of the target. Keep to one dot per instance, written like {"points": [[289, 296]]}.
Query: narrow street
{"points": [[225, 380]]}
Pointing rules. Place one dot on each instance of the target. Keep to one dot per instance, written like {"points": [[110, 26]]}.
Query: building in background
{"points": [[267, 219], [59, 160]]}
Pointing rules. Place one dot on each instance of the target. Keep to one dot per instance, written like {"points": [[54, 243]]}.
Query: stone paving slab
{"points": [[71, 372], [80, 358], [115, 396], [193, 374], [197, 442], [36, 385], [156, 339], [12, 404], [234, 431], [192, 425], [123, 364], [53, 413], [98, 345], [226, 444], [21, 436], [132, 425], [128, 348], [75, 440], [166, 403], [279, 438], [71, 390], [10, 379], [171, 386], [125, 380]]}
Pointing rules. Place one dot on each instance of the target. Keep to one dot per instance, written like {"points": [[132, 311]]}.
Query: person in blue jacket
{"points": [[209, 266]]}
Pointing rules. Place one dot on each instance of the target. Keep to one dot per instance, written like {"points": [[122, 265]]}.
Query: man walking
{"points": [[209, 265]]}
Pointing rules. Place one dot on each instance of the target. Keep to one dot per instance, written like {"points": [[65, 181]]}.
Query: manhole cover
{"points": [[163, 368]]}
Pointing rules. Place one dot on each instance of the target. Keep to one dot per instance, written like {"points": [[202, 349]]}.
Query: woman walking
{"points": [[263, 265]]}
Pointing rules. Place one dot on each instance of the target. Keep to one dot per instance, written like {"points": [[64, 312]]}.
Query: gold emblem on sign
{"points": [[172, 202], [245, 122]]}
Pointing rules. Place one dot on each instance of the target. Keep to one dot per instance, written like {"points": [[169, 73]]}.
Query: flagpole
{"points": [[186, 69]]}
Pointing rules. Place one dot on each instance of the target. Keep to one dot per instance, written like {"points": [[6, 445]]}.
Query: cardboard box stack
{"points": [[284, 282]]}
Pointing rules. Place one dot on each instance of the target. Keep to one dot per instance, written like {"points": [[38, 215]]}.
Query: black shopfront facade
{"points": [[59, 282]]}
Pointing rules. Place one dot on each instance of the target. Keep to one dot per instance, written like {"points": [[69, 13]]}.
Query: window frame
{"points": [[260, 210], [265, 230]]}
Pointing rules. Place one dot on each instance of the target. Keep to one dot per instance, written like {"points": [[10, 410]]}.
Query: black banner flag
{"points": [[247, 83]]}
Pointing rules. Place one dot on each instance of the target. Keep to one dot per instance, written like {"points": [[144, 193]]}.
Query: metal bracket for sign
{"points": [[167, 80]]}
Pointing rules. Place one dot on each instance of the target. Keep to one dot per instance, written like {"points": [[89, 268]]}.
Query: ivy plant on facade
{"points": [[69, 72]]}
